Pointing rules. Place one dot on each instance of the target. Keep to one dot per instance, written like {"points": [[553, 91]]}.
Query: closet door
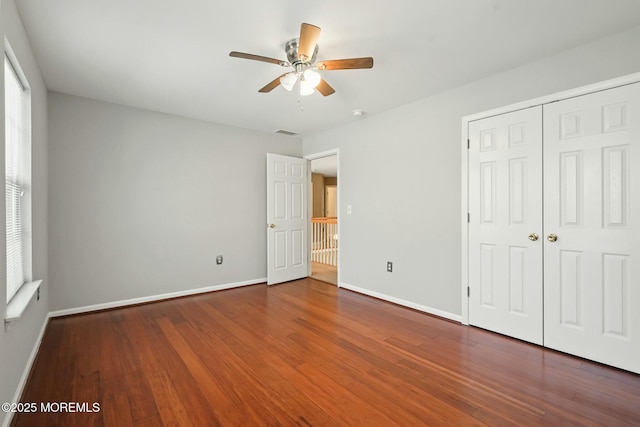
{"points": [[592, 205], [505, 227]]}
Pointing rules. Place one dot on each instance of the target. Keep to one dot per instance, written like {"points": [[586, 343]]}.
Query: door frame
{"points": [[315, 156], [464, 200]]}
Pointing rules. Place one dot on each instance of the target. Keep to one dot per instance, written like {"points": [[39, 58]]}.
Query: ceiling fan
{"points": [[301, 59]]}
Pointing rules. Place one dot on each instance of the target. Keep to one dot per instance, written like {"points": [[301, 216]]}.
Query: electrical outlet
{"points": [[389, 266], [219, 259]]}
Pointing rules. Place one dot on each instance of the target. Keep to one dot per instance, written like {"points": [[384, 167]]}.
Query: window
{"points": [[17, 177]]}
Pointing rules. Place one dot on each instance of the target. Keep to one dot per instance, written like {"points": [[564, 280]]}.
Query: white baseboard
{"points": [[27, 370], [405, 303], [159, 297]]}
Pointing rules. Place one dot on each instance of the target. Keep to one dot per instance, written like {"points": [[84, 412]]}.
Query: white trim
{"points": [[309, 157], [404, 303], [15, 65], [25, 373], [464, 203], [327, 153], [572, 93], [21, 300], [559, 96], [152, 298]]}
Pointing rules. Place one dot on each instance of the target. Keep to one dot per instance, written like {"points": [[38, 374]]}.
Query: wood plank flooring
{"points": [[307, 353]]}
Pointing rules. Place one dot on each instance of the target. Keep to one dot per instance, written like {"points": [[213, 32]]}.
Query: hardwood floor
{"points": [[308, 353]]}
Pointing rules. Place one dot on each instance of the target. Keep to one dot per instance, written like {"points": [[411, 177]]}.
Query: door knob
{"points": [[552, 237], [533, 237], [271, 225]]}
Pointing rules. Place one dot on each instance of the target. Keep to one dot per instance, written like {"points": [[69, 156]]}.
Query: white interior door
{"points": [[505, 206], [286, 218], [592, 197]]}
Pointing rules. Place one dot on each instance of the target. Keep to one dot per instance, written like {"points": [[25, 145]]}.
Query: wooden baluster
{"points": [[313, 241], [335, 243], [324, 242], [318, 242], [332, 233]]}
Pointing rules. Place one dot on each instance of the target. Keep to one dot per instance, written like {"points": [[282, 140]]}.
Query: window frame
{"points": [[25, 292]]}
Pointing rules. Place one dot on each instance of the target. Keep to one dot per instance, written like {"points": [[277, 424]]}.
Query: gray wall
{"points": [[142, 202], [17, 344], [400, 171]]}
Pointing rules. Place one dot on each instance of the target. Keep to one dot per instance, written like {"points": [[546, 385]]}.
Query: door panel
{"points": [[592, 279], [286, 218], [505, 204]]}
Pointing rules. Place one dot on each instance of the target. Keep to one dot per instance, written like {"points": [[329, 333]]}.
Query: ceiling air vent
{"points": [[286, 132]]}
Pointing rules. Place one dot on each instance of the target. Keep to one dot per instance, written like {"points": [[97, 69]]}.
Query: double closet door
{"points": [[554, 230]]}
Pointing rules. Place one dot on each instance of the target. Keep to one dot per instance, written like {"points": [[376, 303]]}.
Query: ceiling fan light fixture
{"points": [[312, 78], [288, 81], [305, 88]]}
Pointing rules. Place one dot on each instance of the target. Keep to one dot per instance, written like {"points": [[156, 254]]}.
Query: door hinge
{"points": [[468, 291], [468, 217], [468, 144]]}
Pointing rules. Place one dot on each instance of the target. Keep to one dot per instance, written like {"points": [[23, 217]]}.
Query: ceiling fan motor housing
{"points": [[291, 48]]}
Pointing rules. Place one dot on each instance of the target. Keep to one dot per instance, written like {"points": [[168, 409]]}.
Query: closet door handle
{"points": [[533, 237], [552, 237]]}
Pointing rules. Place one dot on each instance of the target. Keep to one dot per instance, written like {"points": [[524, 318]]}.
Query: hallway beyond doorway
{"points": [[325, 273]]}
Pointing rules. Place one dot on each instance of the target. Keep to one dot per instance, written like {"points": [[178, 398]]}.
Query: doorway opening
{"points": [[323, 236]]}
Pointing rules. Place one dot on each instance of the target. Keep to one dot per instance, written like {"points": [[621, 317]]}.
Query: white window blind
{"points": [[16, 138]]}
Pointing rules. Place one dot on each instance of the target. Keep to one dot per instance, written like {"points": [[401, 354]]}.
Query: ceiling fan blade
{"points": [[272, 84], [258, 58], [324, 88], [346, 64], [308, 39]]}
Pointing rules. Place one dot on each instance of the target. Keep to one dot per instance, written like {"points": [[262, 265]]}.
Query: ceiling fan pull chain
{"points": [[300, 103]]}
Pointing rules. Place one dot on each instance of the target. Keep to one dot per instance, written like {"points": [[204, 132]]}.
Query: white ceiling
{"points": [[172, 56]]}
